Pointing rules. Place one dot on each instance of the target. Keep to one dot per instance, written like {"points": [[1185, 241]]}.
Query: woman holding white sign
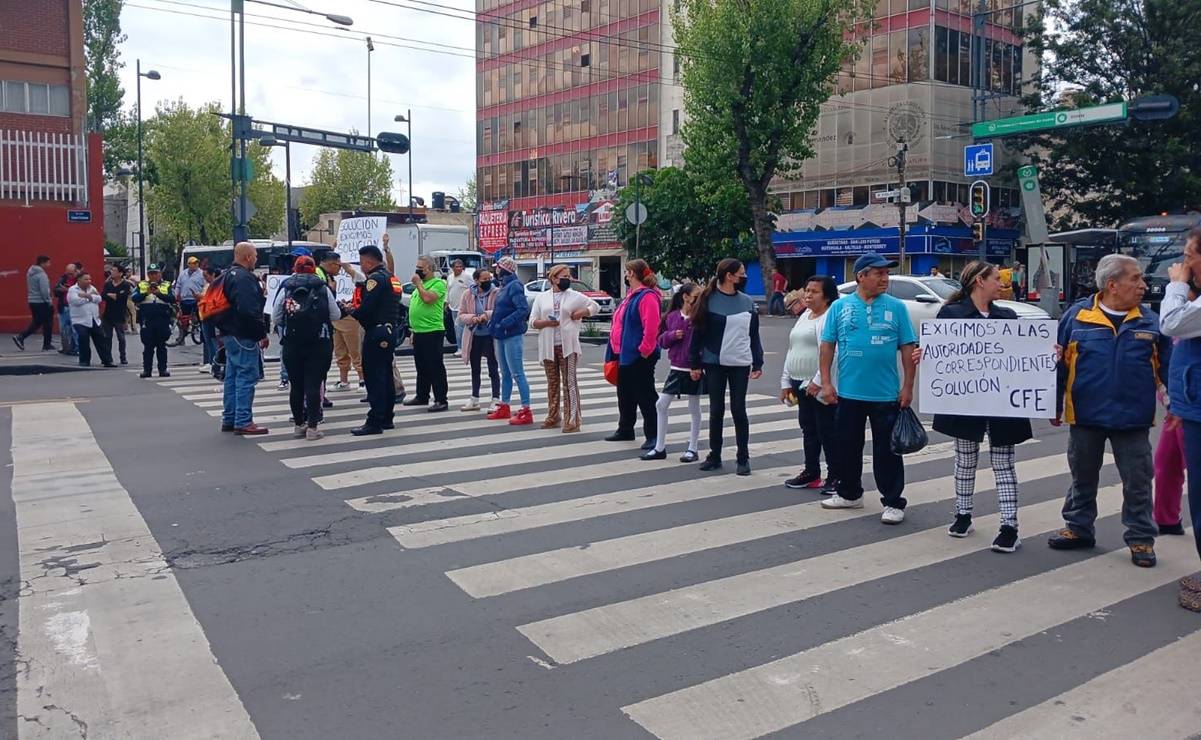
{"points": [[981, 286]]}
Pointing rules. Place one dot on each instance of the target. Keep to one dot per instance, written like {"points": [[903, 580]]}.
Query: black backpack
{"points": [[306, 308]]}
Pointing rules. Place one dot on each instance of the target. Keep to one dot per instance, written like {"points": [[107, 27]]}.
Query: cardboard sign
{"points": [[354, 233], [983, 367]]}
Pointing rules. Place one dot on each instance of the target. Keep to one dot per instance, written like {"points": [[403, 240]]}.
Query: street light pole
{"points": [[270, 141], [370, 48], [407, 118], [150, 75], [639, 179]]}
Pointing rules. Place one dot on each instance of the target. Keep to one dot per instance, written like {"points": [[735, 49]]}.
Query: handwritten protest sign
{"points": [[982, 367], [275, 283], [354, 233]]}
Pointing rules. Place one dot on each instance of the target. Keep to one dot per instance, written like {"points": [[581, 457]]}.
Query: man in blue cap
{"points": [[868, 328]]}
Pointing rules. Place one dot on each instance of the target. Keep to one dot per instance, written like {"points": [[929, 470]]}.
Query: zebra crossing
{"points": [[596, 557]]}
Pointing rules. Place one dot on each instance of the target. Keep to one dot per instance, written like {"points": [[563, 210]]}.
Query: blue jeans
{"points": [[241, 375], [66, 331], [209, 344], [458, 333], [776, 298], [511, 353], [283, 369]]}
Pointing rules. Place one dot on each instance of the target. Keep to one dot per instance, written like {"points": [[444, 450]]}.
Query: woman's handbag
{"points": [[610, 365]]}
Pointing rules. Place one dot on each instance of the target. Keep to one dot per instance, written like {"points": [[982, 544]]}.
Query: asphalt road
{"points": [[456, 578]]}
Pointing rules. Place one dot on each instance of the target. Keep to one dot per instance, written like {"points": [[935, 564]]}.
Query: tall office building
{"points": [[912, 86], [567, 101]]}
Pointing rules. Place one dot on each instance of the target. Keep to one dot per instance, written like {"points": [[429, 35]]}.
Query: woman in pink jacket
{"points": [[633, 342], [474, 312]]}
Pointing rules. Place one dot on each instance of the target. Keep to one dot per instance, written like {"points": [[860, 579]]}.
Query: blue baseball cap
{"points": [[301, 252], [872, 260]]}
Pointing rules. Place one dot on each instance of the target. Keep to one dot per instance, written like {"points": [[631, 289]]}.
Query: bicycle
{"points": [[188, 322]]}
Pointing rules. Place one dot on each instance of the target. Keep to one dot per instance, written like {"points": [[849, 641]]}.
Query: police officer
{"points": [[376, 306], [155, 303]]}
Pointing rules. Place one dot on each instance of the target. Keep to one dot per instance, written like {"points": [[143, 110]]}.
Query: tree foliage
{"points": [[467, 195], [190, 188], [346, 180], [755, 73], [689, 226], [102, 38], [1101, 51]]}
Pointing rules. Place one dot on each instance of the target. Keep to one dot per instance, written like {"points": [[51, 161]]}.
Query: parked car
{"points": [[924, 296], [535, 287]]}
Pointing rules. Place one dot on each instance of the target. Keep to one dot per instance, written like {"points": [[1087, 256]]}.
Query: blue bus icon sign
{"points": [[978, 160]]}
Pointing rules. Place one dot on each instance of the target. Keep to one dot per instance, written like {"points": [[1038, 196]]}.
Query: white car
{"points": [[924, 296], [535, 287]]}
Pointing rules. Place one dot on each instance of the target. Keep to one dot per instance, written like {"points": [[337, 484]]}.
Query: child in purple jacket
{"points": [[676, 337]]}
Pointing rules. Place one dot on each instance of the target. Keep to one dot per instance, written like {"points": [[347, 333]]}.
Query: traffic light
{"points": [[978, 232], [979, 199], [392, 143]]}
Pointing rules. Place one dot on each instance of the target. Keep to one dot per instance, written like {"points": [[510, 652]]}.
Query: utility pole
{"points": [[902, 200]]}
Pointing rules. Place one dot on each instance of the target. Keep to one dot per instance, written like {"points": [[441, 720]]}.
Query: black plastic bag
{"points": [[908, 435]]}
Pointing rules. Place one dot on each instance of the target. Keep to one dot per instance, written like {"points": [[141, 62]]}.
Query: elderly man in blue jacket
{"points": [[1114, 360]]}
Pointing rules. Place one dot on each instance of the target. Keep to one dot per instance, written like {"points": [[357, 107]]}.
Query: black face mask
{"points": [[564, 283], [485, 286], [741, 284]]}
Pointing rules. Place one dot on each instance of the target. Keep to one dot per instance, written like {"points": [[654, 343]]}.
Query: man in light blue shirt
{"points": [[868, 328]]}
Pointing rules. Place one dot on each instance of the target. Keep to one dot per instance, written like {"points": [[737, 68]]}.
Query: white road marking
{"points": [[791, 690], [106, 635]]}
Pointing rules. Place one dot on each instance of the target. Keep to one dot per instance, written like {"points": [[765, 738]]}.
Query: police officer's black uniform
{"points": [[377, 311], [155, 302]]}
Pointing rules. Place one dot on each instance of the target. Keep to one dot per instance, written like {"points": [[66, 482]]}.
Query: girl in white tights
{"points": [[676, 338]]}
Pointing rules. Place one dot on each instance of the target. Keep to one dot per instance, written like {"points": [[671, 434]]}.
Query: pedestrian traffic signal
{"points": [[392, 143], [979, 199], [978, 232]]}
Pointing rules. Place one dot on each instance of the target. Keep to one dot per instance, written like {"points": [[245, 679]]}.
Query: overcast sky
{"points": [[307, 71]]}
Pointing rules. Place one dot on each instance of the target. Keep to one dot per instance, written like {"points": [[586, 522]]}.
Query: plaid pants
{"points": [[967, 457]]}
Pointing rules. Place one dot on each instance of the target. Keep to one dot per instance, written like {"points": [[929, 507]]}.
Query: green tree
{"points": [[1100, 51], [102, 38], [690, 226], [190, 191], [346, 180], [467, 195], [755, 73]]}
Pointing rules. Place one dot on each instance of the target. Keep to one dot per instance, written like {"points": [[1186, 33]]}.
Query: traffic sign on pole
{"points": [[978, 160], [636, 213], [1054, 119]]}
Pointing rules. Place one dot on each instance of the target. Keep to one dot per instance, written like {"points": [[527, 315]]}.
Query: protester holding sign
{"points": [[1114, 358], [981, 286]]}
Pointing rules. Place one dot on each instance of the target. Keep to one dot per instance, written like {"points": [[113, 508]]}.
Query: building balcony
{"points": [[39, 168]]}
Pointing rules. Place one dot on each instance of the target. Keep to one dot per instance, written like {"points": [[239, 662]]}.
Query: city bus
{"points": [[1157, 242]]}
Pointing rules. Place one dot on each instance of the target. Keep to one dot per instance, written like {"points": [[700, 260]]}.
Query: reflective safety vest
{"points": [[396, 286], [164, 288], [356, 299]]}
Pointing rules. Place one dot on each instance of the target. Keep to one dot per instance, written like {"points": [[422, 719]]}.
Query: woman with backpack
{"points": [[633, 342], [676, 337], [306, 309], [726, 348]]}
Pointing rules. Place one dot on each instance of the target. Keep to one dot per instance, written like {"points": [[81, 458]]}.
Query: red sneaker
{"points": [[251, 429], [524, 416], [502, 412]]}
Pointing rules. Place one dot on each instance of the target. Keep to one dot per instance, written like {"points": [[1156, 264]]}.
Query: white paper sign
{"points": [[275, 283], [354, 233], [983, 367], [345, 287]]}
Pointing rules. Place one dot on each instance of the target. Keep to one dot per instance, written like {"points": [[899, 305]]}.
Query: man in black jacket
{"points": [[243, 334]]}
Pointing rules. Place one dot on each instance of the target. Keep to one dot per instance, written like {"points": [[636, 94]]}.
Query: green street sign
{"points": [[1110, 113]]}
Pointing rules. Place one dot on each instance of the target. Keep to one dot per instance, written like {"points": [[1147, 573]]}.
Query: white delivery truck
{"points": [[444, 243]]}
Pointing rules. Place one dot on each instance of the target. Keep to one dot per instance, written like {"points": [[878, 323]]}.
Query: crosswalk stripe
{"points": [[1106, 707], [604, 629], [576, 451], [787, 692], [531, 571], [182, 385], [115, 649], [205, 400], [507, 521], [466, 444]]}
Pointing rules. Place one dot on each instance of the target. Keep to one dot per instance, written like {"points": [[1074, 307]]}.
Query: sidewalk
{"points": [[182, 356]]}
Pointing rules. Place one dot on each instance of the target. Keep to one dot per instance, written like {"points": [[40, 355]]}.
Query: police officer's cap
{"points": [[154, 267]]}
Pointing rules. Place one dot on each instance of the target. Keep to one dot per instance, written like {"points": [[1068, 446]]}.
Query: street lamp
{"points": [[408, 119], [639, 180], [150, 75], [370, 48], [240, 124], [270, 140]]}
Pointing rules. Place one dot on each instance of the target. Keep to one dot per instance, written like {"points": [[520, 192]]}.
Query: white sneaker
{"points": [[341, 386], [472, 405], [458, 353], [300, 431], [495, 403], [205, 369], [838, 502], [313, 435], [892, 516], [283, 386]]}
